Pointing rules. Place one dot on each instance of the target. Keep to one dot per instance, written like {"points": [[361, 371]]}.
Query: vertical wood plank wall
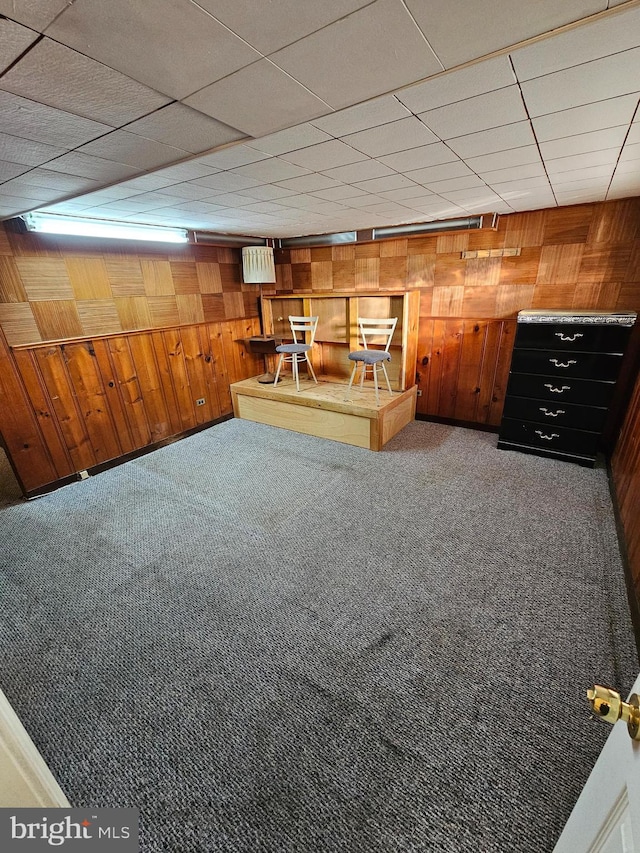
{"points": [[163, 327]]}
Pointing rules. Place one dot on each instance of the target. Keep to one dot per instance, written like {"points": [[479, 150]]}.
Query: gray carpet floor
{"points": [[272, 643]]}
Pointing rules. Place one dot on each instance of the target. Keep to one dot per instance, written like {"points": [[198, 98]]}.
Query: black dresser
{"points": [[563, 374]]}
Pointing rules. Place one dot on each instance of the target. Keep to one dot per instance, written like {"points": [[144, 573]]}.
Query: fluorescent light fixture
{"points": [[52, 223]]}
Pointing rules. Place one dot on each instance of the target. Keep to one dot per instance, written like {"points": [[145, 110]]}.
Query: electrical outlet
{"points": [[201, 401], [419, 393], [83, 475]]}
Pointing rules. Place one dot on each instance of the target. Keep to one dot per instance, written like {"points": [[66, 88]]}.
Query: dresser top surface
{"points": [[605, 318]]}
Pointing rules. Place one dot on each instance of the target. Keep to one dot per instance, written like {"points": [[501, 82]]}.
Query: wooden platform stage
{"points": [[320, 410]]}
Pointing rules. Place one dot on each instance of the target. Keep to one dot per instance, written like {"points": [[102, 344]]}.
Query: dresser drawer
{"points": [[585, 365], [560, 390], [555, 414], [549, 437], [566, 336]]}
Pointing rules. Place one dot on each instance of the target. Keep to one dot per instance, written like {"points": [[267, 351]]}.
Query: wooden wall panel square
{"points": [[231, 277], [450, 270], [480, 301], [448, 243], [552, 296], [483, 272], [18, 323], [393, 272], [125, 275], [213, 307], [511, 298], [367, 274], [448, 301], [616, 222], [321, 253], [522, 269], [486, 238], [45, 278], [5, 245], [251, 303], [185, 277], [321, 275], [89, 278], [629, 296], [133, 312], [284, 278], [605, 262], [426, 302], [301, 275], [421, 270], [300, 256], [344, 273], [57, 319], [568, 224], [394, 248], [227, 255], [11, 288], [560, 264], [157, 277], [209, 277], [233, 305], [98, 316], [343, 253], [190, 308], [368, 250], [163, 311], [524, 229], [206, 254]]}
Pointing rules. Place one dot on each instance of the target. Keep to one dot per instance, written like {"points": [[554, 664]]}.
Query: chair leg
{"points": [[386, 376], [363, 374], [353, 376], [375, 382], [275, 381], [306, 355], [294, 364]]}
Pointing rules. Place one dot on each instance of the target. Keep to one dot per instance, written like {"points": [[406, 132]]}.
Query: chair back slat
{"points": [[371, 327], [305, 325]]}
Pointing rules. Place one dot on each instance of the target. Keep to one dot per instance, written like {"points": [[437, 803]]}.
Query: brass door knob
{"points": [[608, 705]]}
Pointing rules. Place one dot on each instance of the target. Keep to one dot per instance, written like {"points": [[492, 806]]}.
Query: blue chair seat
{"points": [[293, 348], [370, 356]]}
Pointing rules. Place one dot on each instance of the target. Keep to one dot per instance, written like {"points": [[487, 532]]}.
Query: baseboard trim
{"points": [[453, 422], [127, 457]]}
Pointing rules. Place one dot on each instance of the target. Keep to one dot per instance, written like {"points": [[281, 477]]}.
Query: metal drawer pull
{"points": [[563, 363], [547, 437], [569, 337], [557, 390], [549, 414]]}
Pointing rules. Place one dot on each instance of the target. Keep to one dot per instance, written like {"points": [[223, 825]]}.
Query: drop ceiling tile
{"points": [[76, 163], [464, 183], [363, 116], [455, 169], [343, 192], [362, 201], [143, 183], [584, 84], [326, 155], [593, 40], [49, 180], [19, 150], [55, 75], [391, 182], [459, 85], [583, 143], [523, 156], [265, 207], [33, 13], [10, 170], [123, 147], [362, 171], [29, 195], [188, 171], [231, 158], [14, 39], [226, 182], [185, 128], [392, 137], [598, 116], [245, 100], [274, 25], [406, 194], [631, 151], [437, 208], [184, 47], [482, 112], [480, 195], [188, 192], [40, 123], [289, 140], [268, 192], [628, 167], [419, 158], [459, 31], [309, 183], [372, 51], [271, 171], [634, 133], [513, 173], [608, 158], [490, 141], [506, 187]]}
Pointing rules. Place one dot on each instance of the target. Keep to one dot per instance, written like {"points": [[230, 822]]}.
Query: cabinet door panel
{"points": [[584, 365], [565, 336]]}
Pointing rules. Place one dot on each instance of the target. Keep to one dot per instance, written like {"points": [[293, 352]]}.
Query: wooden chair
{"points": [[298, 351], [374, 358]]}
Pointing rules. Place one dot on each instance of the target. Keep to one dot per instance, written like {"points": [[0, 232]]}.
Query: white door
{"points": [[606, 818]]}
